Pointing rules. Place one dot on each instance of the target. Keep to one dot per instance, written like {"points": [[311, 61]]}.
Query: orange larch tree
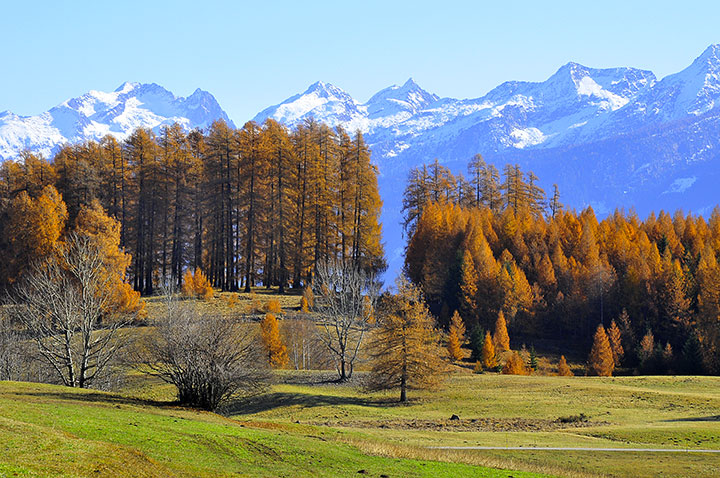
{"points": [[600, 361]]}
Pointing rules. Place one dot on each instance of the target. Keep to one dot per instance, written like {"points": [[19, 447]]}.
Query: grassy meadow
{"points": [[305, 424]]}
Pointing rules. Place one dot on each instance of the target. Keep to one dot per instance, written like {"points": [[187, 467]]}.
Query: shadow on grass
{"points": [[271, 401], [99, 397], [712, 418]]}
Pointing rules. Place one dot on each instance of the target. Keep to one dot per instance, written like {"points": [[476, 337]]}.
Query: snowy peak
{"points": [[409, 97], [97, 113], [693, 91], [322, 101]]}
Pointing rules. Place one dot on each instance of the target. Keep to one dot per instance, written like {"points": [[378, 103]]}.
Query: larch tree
{"points": [[515, 365], [501, 337], [600, 360], [488, 358], [456, 337], [615, 338], [275, 348], [405, 351], [563, 368]]}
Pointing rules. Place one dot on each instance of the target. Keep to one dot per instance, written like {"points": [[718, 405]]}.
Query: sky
{"points": [[253, 55]]}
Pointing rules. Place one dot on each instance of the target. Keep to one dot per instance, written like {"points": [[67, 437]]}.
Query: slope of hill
{"points": [[54, 431]]}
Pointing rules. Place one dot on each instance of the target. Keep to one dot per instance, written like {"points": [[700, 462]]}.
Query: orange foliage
{"points": [[600, 361], [563, 368], [456, 337], [488, 358], [275, 348], [515, 365], [197, 285], [501, 338], [272, 306]]}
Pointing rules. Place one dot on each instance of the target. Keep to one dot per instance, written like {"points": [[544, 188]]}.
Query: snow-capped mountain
{"points": [[96, 114], [613, 137]]}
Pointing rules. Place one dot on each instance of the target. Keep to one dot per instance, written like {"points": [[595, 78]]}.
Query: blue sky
{"points": [[252, 55]]}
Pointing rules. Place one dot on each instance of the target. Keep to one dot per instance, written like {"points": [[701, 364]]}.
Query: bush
{"points": [[209, 358]]}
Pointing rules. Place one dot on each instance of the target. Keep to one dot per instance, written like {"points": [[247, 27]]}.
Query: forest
{"points": [[261, 205], [491, 243]]}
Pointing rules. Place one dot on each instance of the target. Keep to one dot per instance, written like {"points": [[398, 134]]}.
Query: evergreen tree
{"points": [[477, 340], [533, 361]]}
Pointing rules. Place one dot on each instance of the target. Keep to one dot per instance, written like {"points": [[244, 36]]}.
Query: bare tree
{"points": [[345, 300], [304, 349], [13, 359], [209, 358], [66, 305]]}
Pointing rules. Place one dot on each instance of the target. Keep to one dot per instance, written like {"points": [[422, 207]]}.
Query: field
{"points": [[497, 410], [305, 424]]}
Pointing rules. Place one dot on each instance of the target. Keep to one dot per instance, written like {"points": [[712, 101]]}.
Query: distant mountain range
{"points": [[96, 114], [616, 137]]}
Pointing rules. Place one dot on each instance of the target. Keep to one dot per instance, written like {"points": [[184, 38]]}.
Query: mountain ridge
{"points": [[609, 137], [97, 113]]}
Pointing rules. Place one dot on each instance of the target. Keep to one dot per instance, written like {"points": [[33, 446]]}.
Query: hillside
{"points": [[53, 431]]}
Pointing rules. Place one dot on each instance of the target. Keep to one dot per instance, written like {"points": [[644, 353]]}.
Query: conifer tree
{"points": [[533, 361], [488, 358], [500, 337], [600, 360], [477, 340], [615, 338], [647, 346], [563, 368], [274, 346], [404, 351], [515, 365], [456, 337]]}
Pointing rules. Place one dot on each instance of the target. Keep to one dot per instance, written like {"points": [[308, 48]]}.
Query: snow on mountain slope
{"points": [[613, 137], [96, 114]]}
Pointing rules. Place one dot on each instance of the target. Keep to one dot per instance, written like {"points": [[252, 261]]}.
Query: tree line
{"points": [[260, 205], [492, 246]]}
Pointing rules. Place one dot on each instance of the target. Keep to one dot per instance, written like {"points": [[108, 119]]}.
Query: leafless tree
{"points": [[345, 300], [12, 354], [304, 349], [65, 305], [209, 358]]}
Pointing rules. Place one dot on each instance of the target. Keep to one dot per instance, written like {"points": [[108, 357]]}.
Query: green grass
{"points": [[54, 431], [623, 412]]}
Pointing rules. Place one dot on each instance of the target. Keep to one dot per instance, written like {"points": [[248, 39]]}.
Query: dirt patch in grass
{"points": [[465, 425]]}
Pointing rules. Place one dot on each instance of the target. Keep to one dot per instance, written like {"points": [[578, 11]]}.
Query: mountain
{"points": [[610, 137], [96, 114]]}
